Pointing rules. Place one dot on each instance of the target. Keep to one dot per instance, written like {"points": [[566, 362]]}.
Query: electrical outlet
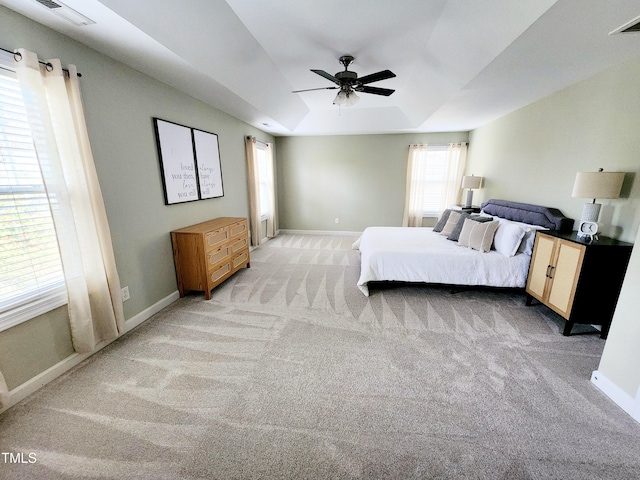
{"points": [[337, 220], [125, 294]]}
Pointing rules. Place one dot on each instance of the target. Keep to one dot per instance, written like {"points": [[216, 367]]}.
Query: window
{"points": [[31, 277], [437, 171], [434, 173]]}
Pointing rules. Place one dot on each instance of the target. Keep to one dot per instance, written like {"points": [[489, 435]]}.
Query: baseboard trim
{"points": [[319, 232], [33, 385], [618, 396], [147, 313]]}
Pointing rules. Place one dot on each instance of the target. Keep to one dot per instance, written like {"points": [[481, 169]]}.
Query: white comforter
{"points": [[421, 255]]}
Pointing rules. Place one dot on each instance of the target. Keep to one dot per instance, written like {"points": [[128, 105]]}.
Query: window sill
{"points": [[33, 306]]}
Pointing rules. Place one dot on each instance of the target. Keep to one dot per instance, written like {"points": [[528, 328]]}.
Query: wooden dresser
{"points": [[578, 279], [208, 253]]}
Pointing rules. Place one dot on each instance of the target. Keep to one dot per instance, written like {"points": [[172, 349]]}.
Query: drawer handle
{"points": [[550, 269]]}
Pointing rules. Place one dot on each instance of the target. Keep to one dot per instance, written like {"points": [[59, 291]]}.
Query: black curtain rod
{"points": [[46, 64]]}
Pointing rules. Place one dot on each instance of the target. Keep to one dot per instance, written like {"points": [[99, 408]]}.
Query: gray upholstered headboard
{"points": [[547, 217]]}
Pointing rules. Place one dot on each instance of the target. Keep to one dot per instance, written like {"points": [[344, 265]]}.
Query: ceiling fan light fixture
{"points": [[352, 98], [341, 98], [346, 98], [348, 83]]}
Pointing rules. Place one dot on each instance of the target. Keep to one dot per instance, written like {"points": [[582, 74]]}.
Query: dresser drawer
{"points": [[217, 275], [240, 260], [216, 238], [238, 229], [239, 245], [216, 256]]}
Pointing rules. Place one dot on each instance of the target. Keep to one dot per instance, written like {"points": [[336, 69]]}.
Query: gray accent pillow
{"points": [[455, 233], [443, 220]]}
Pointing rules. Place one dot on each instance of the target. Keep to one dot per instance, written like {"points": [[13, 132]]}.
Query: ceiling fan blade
{"points": [[326, 75], [375, 90], [376, 77], [312, 89]]}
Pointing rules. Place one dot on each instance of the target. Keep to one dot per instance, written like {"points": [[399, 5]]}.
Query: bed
{"points": [[490, 249]]}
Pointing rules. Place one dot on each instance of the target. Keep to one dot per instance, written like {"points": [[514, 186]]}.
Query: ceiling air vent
{"points": [[630, 27], [68, 13]]}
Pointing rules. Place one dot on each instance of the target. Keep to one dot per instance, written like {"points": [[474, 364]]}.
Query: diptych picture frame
{"points": [[189, 162]]}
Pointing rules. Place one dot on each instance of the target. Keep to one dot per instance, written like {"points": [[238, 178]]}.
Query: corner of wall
{"points": [[618, 396]]}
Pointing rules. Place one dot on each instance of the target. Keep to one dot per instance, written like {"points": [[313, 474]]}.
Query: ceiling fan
{"points": [[349, 83]]}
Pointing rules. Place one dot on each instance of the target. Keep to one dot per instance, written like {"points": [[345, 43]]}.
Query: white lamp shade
{"points": [[598, 184], [471, 181], [346, 97], [341, 98]]}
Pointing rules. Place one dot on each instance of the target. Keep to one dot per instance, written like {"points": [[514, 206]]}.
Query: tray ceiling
{"points": [[458, 64]]}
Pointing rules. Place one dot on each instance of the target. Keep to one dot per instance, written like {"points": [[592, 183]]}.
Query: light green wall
{"points": [[620, 361], [32, 347], [533, 154], [359, 179], [119, 105]]}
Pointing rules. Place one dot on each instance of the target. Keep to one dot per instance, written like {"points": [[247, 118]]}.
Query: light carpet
{"points": [[290, 372]]}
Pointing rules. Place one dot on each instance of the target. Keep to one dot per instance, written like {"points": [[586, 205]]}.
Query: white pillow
{"points": [[507, 238], [526, 244]]}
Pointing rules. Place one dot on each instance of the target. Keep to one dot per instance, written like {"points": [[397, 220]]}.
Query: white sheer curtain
{"points": [[56, 117], [254, 190], [268, 183], [415, 186], [434, 175], [271, 194]]}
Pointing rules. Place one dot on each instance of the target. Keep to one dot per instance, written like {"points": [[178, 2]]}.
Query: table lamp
{"points": [[596, 185], [471, 182]]}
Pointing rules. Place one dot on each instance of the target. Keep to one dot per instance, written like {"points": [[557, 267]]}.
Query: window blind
{"points": [[31, 277]]}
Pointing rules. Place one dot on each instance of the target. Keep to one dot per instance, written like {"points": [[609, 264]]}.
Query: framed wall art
{"points": [[208, 160], [189, 162]]}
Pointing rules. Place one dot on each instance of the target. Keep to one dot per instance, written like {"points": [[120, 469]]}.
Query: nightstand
{"points": [[471, 209], [578, 279]]}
